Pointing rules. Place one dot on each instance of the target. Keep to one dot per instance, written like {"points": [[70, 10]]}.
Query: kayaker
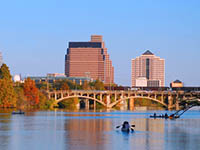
{"points": [[166, 115], [125, 127]]}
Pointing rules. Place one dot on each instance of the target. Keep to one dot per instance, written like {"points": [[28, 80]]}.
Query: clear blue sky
{"points": [[34, 34]]}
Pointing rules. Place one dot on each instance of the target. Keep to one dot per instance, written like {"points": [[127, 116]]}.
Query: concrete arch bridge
{"points": [[168, 99]]}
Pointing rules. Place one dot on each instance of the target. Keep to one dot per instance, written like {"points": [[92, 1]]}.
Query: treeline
{"points": [[20, 95], [30, 95], [65, 84]]}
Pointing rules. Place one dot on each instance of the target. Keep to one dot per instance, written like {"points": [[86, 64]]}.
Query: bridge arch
{"points": [[134, 97], [79, 96]]}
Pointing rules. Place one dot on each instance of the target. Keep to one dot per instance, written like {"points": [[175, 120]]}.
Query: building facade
{"points": [[176, 83], [53, 79], [150, 67], [1, 59], [89, 59]]}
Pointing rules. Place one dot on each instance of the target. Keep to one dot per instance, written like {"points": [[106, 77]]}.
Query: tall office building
{"points": [[148, 70], [1, 59], [89, 59]]}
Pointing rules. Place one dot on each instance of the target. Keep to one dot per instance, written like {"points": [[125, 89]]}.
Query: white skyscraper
{"points": [[148, 70]]}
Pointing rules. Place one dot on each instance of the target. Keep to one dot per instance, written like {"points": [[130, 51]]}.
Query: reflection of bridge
{"points": [[169, 99]]}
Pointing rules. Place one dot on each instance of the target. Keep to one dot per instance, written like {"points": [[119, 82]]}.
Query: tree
{"points": [[98, 85], [5, 73], [31, 92], [64, 87], [21, 99], [7, 93], [70, 103], [85, 86], [44, 102]]}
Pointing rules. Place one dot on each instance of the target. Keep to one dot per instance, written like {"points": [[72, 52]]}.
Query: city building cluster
{"points": [[89, 61]]}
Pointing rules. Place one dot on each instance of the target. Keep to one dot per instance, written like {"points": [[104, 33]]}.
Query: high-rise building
{"points": [[148, 70], [1, 59], [89, 59]]}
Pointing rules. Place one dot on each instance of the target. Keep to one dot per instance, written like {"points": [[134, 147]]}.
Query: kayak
{"points": [[166, 117], [127, 130], [152, 116], [18, 113]]}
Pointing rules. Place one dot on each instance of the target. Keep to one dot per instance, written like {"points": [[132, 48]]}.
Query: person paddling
{"points": [[166, 115], [126, 127]]}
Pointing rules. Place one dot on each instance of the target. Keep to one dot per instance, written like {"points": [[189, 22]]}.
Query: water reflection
{"points": [[4, 130], [97, 131], [88, 133], [183, 134]]}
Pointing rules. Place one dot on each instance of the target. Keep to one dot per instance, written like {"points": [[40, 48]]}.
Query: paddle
{"points": [[121, 125], [118, 126]]}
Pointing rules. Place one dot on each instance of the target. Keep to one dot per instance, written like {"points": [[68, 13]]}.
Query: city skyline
{"points": [[34, 35]]}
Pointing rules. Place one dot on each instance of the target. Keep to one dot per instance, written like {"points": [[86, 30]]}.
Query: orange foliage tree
{"points": [[7, 93], [31, 92]]}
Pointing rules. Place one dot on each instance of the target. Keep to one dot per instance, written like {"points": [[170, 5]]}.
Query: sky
{"points": [[34, 34]]}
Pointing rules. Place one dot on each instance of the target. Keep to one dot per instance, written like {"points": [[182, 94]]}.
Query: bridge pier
{"points": [[101, 97], [87, 104], [131, 104], [115, 96], [55, 96], [177, 105], [123, 103], [94, 105], [170, 102], [107, 100], [177, 102], [162, 98]]}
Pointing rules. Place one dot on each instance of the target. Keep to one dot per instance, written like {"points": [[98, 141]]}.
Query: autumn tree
{"points": [[7, 93], [5, 73], [31, 92], [64, 86], [85, 86]]}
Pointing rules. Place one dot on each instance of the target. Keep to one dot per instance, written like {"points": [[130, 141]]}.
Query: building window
{"points": [[102, 51], [147, 68]]}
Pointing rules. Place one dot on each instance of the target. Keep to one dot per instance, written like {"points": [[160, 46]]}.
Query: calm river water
{"points": [[59, 130]]}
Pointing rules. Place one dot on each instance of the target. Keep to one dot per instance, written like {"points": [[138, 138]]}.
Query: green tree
{"points": [[7, 93], [44, 102], [98, 85], [21, 102], [61, 85], [69, 103]]}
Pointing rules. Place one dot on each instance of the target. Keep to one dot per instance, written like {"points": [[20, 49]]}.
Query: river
{"points": [[61, 130]]}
